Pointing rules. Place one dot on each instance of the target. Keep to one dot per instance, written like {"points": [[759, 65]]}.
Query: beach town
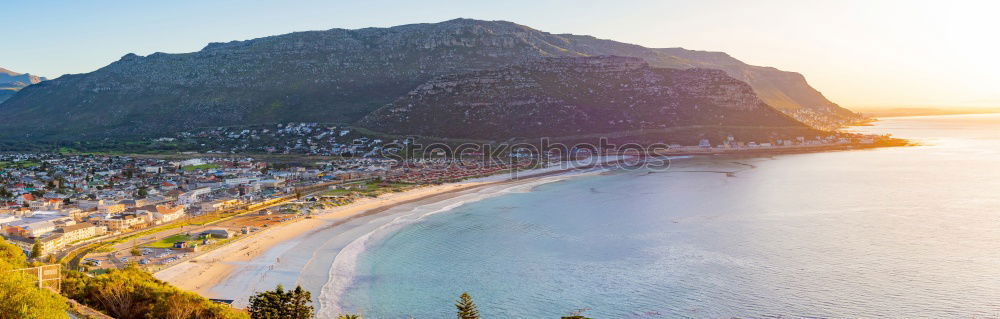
{"points": [[187, 220]]}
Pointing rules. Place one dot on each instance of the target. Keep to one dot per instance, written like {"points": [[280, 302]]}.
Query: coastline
{"points": [[205, 271], [202, 273]]}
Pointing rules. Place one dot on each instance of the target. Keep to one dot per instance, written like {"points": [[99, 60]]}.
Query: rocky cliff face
{"points": [[785, 91], [565, 97], [319, 76]]}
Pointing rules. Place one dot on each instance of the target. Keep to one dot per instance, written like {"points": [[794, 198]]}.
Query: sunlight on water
{"points": [[901, 232]]}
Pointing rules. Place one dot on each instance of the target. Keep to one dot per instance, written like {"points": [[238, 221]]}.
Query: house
{"points": [[192, 196], [167, 213], [25, 198], [219, 205], [122, 223], [152, 169], [112, 209]]}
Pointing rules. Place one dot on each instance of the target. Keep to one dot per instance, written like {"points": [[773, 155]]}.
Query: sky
{"points": [[858, 53]]}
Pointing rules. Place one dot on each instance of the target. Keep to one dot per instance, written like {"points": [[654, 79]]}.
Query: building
{"points": [[47, 244], [239, 181], [166, 213], [705, 143], [122, 223], [78, 232], [219, 205], [113, 209], [192, 196], [31, 229]]}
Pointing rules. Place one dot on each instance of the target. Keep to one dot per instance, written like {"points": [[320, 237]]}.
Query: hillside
{"points": [[335, 76], [11, 82], [566, 97]]}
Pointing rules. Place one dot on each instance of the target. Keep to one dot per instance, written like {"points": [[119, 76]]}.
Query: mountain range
{"points": [[359, 76], [11, 82]]}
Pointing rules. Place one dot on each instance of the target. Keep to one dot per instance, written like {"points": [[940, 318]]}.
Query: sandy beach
{"points": [[204, 271]]}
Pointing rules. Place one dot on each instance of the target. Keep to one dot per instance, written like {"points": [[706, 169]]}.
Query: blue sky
{"points": [[857, 52]]}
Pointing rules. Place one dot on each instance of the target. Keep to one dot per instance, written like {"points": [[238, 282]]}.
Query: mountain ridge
{"points": [[336, 75], [11, 82]]}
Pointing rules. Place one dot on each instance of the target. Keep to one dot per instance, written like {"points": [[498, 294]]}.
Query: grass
{"points": [[199, 167], [371, 189], [169, 241], [336, 192], [98, 271], [21, 164]]}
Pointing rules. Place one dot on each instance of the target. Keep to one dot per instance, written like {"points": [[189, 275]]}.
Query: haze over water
{"points": [[911, 232]]}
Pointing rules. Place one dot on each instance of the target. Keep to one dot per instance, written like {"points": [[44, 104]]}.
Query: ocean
{"points": [[905, 232]]}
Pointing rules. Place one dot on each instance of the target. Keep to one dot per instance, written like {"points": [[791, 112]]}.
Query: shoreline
{"points": [[201, 273]]}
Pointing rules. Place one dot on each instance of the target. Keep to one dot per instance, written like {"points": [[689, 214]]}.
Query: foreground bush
{"points": [[132, 293], [20, 296]]}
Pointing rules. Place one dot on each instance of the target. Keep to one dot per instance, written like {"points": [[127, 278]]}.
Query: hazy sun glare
{"points": [[858, 53]]}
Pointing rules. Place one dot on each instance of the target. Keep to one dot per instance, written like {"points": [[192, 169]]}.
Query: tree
{"points": [[348, 317], [23, 299], [466, 308], [36, 250], [300, 300], [576, 314], [142, 192], [11, 254], [177, 306], [281, 304]]}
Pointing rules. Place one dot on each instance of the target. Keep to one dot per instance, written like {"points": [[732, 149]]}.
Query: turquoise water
{"points": [[899, 233]]}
